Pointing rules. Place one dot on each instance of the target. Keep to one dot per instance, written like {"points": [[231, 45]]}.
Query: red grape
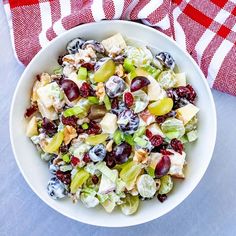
{"points": [[70, 88], [138, 82], [162, 166]]}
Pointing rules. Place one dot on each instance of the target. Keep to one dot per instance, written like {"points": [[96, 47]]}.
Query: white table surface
{"points": [[209, 210]]}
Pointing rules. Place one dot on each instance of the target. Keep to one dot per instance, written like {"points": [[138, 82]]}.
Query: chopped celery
{"points": [[129, 173], [128, 138], [184, 139], [107, 103], [152, 70], [166, 184], [85, 126], [141, 130], [128, 65], [80, 177], [192, 135], [93, 100], [118, 137], [130, 205], [82, 73], [140, 142], [96, 139], [55, 143], [57, 71], [66, 158], [73, 111], [110, 174]]}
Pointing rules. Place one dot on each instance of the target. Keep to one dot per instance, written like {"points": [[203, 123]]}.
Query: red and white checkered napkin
{"points": [[206, 28]]}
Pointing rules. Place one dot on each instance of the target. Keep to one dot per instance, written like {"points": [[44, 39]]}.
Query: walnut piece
{"points": [[69, 134], [140, 156], [109, 146], [100, 91], [119, 70]]}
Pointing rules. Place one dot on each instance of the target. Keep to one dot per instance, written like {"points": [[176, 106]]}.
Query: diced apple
{"points": [[147, 117], [108, 205], [106, 184], [47, 93], [108, 123], [32, 128], [177, 164], [49, 113], [187, 112], [114, 43], [153, 89], [156, 130], [180, 79]]}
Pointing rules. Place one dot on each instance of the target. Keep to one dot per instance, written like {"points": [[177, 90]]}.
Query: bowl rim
{"points": [[211, 103]]}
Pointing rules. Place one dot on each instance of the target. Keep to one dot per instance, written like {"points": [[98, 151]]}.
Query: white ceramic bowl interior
{"points": [[35, 171]]}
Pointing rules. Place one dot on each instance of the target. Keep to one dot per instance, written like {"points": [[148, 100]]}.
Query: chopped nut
{"points": [[109, 145], [57, 160], [134, 191], [45, 79], [100, 91], [119, 70], [69, 59], [69, 134], [140, 156]]}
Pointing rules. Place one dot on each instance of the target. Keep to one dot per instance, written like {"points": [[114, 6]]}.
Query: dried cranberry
{"points": [[95, 179], [156, 140], [86, 90], [160, 119], [149, 134], [63, 148], [161, 197], [177, 145], [162, 167], [192, 94], [59, 60], [86, 158], [88, 66], [166, 152], [31, 110], [93, 128], [115, 103], [49, 127], [80, 130], [64, 177], [71, 120], [129, 99], [110, 160], [74, 161]]}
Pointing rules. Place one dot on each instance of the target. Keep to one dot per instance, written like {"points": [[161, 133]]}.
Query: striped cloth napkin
{"points": [[206, 28]]}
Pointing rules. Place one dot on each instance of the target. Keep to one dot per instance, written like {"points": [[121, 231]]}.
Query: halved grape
{"points": [[173, 128], [146, 186], [161, 107], [167, 79], [130, 205], [140, 101], [105, 71], [122, 152], [138, 83], [166, 184], [56, 142], [162, 167], [129, 173], [70, 88], [96, 139], [79, 178]]}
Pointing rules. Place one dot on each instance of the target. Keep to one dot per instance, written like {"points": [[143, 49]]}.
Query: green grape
{"points": [[129, 173], [161, 107], [80, 177], [173, 128], [96, 139], [130, 205], [166, 184], [105, 71], [128, 65], [82, 73], [167, 79], [55, 143]]}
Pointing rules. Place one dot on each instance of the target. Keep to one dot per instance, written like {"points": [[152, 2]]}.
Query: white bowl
{"points": [[35, 171]]}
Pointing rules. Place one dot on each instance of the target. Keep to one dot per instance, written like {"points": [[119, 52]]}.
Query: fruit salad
{"points": [[112, 122]]}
